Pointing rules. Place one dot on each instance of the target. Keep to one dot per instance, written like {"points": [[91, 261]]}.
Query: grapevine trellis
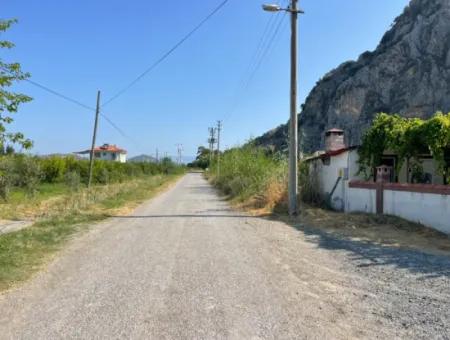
{"points": [[408, 138]]}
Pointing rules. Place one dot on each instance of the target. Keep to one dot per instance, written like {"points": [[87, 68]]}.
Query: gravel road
{"points": [[186, 266]]}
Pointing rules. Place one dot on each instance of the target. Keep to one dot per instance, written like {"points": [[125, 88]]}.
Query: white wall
{"points": [[432, 210], [328, 178], [122, 157], [109, 156], [360, 200]]}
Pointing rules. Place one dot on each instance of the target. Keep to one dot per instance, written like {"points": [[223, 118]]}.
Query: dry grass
{"points": [[379, 229], [58, 219]]}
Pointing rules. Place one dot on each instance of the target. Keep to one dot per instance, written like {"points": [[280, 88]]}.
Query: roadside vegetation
{"points": [[251, 176], [23, 176], [256, 178]]}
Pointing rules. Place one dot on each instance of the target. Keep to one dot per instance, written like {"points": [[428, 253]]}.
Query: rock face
{"points": [[408, 73]]}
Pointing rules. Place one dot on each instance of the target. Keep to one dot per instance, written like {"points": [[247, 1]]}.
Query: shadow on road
{"points": [[367, 254]]}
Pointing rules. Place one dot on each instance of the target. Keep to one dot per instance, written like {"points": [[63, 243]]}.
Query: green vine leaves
{"points": [[406, 137]]}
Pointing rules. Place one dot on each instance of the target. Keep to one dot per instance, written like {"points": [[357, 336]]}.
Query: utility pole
{"points": [[219, 129], [157, 156], [94, 136], [212, 141], [179, 153], [293, 133], [293, 121]]}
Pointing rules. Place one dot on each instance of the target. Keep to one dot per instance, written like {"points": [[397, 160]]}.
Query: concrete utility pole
{"points": [[212, 141], [157, 156], [179, 153], [293, 133], [219, 129], [293, 121], [94, 136]]}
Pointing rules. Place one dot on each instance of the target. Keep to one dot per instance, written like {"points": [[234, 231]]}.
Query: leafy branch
{"points": [[10, 101], [408, 138]]}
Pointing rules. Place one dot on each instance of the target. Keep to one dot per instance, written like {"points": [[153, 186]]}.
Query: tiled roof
{"points": [[109, 148], [327, 154], [104, 148]]}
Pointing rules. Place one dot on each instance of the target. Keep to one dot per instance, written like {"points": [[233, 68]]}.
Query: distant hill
{"points": [[142, 159], [408, 73]]}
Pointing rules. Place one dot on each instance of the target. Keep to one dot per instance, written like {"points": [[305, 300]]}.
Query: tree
{"points": [[10, 101], [202, 159]]}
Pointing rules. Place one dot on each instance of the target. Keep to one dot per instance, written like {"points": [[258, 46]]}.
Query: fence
{"points": [[421, 203]]}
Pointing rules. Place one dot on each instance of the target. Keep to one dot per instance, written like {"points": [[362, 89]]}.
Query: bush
{"points": [[72, 180], [53, 169], [7, 176], [27, 172], [310, 185], [250, 173]]}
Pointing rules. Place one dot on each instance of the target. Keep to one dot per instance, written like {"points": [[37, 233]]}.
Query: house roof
{"points": [[105, 148], [326, 154]]}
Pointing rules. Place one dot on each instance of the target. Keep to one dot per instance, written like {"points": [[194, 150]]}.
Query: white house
{"points": [[426, 201], [108, 152], [333, 166]]}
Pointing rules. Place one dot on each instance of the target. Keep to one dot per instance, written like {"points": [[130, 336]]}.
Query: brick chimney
{"points": [[334, 140]]}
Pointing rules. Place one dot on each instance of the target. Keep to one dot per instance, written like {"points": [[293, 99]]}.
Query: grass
{"points": [[24, 252], [251, 177]]}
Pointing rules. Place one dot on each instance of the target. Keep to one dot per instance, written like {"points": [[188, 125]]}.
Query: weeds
{"points": [[251, 174]]}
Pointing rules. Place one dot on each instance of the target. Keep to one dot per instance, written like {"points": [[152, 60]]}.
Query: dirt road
{"points": [[185, 266]]}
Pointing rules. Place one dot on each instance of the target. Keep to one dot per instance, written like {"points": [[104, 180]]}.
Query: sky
{"points": [[79, 47]]}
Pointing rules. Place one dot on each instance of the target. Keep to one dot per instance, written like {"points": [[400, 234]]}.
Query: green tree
{"points": [[10, 101], [202, 159]]}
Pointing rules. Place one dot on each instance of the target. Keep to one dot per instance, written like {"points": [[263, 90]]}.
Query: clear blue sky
{"points": [[77, 47]]}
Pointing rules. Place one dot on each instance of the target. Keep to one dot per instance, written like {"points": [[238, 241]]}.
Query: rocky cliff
{"points": [[408, 73]]}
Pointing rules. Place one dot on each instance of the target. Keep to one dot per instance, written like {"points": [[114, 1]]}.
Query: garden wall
{"points": [[425, 204]]}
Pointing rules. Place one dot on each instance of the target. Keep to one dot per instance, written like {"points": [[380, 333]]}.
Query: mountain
{"points": [[408, 73], [143, 159]]}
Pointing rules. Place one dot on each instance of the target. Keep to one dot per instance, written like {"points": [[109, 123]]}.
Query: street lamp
{"points": [[293, 122], [271, 7], [277, 8]]}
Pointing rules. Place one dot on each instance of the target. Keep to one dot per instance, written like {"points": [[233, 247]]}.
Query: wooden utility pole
{"points": [[219, 128], [94, 136]]}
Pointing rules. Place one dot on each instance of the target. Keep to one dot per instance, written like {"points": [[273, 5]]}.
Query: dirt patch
{"points": [[379, 229], [10, 226]]}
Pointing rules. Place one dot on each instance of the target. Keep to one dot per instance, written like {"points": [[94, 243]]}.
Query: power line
{"points": [[168, 53], [58, 94], [76, 102], [265, 44], [266, 50]]}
